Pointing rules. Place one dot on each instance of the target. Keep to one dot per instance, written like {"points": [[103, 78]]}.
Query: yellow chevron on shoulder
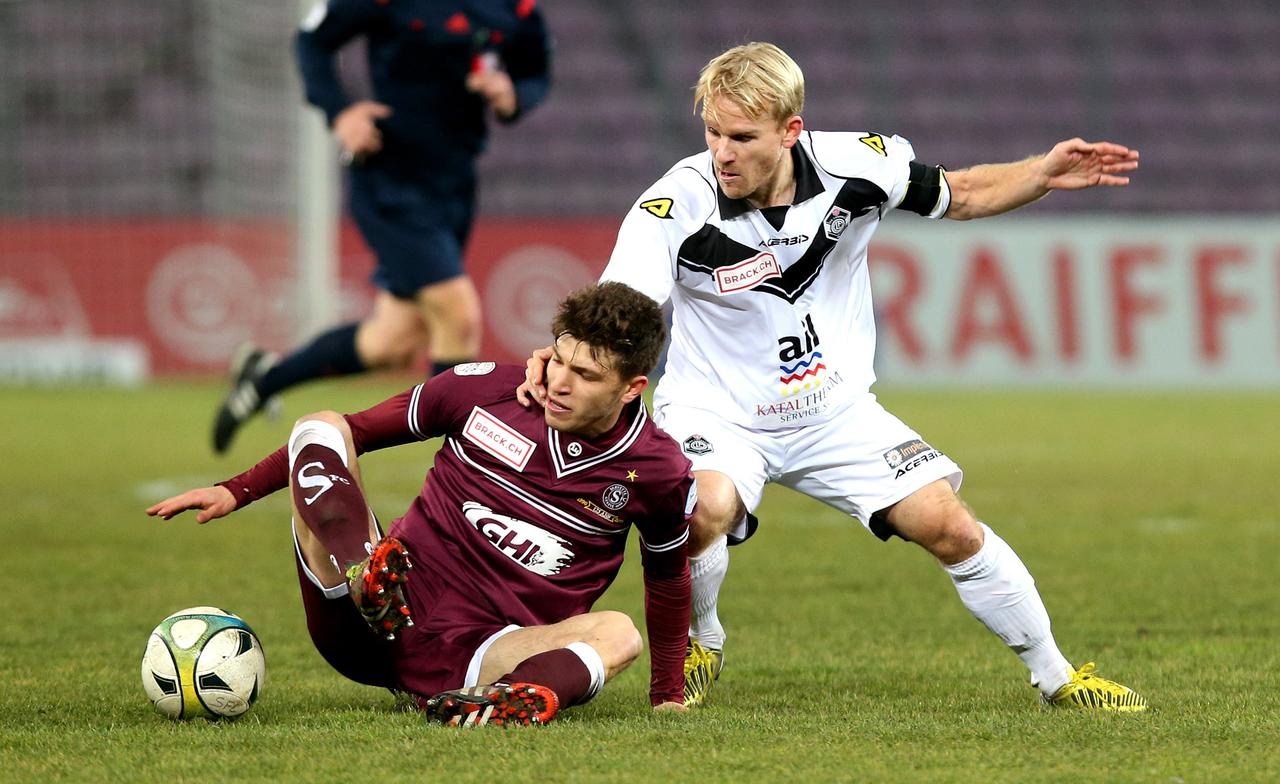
{"points": [[658, 208], [875, 142]]}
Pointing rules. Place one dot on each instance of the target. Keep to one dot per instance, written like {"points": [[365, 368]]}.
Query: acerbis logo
{"points": [[525, 543], [697, 445], [875, 142], [658, 208], [797, 240], [836, 222]]}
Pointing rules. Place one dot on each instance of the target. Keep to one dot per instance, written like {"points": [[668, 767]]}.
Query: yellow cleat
{"points": [[701, 669], [1088, 691]]}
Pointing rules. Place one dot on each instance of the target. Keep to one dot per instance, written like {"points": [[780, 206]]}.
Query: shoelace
{"points": [[1086, 671], [1086, 676], [698, 657]]}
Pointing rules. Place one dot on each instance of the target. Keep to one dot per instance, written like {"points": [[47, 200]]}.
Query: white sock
{"points": [[707, 572], [314, 431], [595, 665], [999, 591]]}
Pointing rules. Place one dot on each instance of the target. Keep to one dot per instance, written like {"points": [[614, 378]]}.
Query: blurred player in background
{"points": [[519, 528], [761, 243], [437, 69]]}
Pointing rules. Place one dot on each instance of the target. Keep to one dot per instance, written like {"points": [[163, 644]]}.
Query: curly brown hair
{"points": [[615, 318]]}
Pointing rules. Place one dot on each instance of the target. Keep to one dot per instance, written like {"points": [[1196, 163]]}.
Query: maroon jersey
{"points": [[526, 522]]}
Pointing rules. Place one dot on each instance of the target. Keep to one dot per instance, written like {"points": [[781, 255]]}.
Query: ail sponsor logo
{"points": [[525, 543], [498, 438], [747, 274]]}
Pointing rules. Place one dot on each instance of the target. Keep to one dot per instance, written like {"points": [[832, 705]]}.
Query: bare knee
{"points": [[329, 418], [390, 345], [935, 518], [957, 537], [617, 640], [452, 311], [951, 535], [719, 509]]}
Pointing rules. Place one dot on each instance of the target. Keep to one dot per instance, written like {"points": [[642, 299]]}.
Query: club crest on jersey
{"points": [[616, 496], [747, 274], [498, 438], [474, 369], [697, 445], [836, 222], [525, 543]]}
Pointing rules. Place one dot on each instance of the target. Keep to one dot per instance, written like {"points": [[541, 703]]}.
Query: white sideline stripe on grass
{"points": [[154, 490], [1168, 525]]}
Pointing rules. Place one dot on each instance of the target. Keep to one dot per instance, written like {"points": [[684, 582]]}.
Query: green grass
{"points": [[1150, 523]]}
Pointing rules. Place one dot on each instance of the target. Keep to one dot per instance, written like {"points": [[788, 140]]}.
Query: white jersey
{"points": [[773, 327]]}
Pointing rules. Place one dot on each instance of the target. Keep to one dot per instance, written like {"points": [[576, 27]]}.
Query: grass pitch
{"points": [[1149, 521]]}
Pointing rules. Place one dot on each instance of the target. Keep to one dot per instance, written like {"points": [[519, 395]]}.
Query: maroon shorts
{"points": [[430, 657]]}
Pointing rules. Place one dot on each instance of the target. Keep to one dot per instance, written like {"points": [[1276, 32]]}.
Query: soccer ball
{"points": [[203, 661]]}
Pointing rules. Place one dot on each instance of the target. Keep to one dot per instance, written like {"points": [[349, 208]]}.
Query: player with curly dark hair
{"points": [[519, 528]]}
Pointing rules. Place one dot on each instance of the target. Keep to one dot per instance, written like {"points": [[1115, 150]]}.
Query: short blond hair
{"points": [[759, 78]]}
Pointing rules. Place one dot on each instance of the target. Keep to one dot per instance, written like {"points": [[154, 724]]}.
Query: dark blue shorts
{"points": [[417, 229]]}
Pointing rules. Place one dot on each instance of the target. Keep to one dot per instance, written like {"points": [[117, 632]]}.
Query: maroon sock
{"points": [[330, 503], [559, 670]]}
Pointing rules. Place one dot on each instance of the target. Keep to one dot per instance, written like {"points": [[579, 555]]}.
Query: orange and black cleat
{"points": [[514, 705], [377, 587]]}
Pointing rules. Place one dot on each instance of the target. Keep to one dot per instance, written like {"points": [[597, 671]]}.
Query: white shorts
{"points": [[861, 461]]}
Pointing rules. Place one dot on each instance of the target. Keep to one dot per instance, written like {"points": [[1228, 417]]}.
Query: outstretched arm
{"points": [[385, 425], [990, 189], [213, 502]]}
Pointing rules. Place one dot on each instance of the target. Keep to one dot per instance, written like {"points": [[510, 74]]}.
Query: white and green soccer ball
{"points": [[203, 662]]}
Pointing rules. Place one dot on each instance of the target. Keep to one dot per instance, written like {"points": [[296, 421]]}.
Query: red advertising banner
{"points": [[1017, 301], [129, 297]]}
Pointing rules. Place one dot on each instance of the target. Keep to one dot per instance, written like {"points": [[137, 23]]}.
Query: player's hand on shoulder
{"points": [[213, 502], [357, 131], [534, 388]]}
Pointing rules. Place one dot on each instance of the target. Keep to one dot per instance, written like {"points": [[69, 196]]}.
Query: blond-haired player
{"points": [[760, 243]]}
